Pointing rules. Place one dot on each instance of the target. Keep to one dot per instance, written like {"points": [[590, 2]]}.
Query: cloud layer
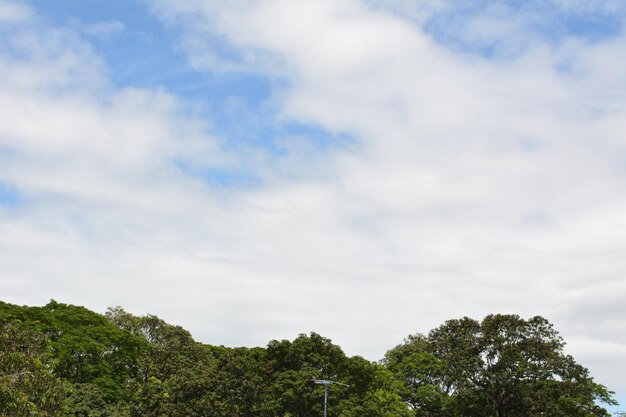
{"points": [[478, 176]]}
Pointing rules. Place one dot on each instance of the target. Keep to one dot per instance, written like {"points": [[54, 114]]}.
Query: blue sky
{"points": [[8, 196], [238, 167], [140, 51]]}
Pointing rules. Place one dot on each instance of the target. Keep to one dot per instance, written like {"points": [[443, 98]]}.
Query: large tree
{"points": [[87, 349], [369, 390], [175, 372], [424, 388], [27, 386], [504, 366]]}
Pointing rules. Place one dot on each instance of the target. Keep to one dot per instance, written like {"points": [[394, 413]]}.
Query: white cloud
{"points": [[476, 185], [58, 61], [14, 12], [471, 187]]}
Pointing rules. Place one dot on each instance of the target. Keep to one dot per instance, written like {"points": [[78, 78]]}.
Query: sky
{"points": [[364, 169]]}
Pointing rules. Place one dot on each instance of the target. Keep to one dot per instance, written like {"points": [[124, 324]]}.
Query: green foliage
{"points": [[503, 366], [27, 386], [373, 391], [292, 367], [370, 390], [66, 361], [175, 371], [86, 348], [87, 400], [238, 380], [150, 398], [424, 388]]}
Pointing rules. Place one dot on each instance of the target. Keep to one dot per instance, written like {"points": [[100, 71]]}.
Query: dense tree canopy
{"points": [[504, 366], [85, 346], [67, 361], [27, 386]]}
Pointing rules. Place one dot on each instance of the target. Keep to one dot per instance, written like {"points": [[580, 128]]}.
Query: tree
{"points": [[175, 370], [27, 387], [86, 348], [238, 380], [370, 390], [424, 389], [373, 391], [504, 366], [87, 400], [291, 366]]}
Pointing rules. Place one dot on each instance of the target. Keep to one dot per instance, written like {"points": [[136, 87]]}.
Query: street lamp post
{"points": [[326, 383]]}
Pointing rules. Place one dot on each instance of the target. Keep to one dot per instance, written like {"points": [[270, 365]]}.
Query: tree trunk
{"points": [[500, 404], [501, 410]]}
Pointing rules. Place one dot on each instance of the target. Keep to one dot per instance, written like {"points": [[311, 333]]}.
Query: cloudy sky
{"points": [[365, 169]]}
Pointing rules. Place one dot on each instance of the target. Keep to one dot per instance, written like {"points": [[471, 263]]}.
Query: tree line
{"points": [[64, 360]]}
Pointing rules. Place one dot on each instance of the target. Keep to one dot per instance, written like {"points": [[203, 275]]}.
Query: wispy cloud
{"points": [[14, 12], [102, 30]]}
